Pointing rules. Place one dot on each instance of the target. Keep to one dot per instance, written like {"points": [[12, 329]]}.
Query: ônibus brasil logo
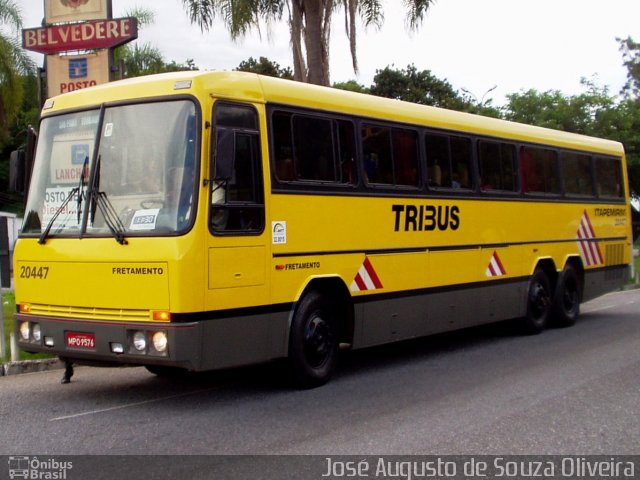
{"points": [[36, 469]]}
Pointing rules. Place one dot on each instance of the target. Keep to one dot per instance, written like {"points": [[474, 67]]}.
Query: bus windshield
{"points": [[140, 181]]}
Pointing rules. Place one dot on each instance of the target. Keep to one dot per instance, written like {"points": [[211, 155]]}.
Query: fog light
{"points": [[48, 341], [25, 331], [117, 348], [36, 332], [140, 341], [160, 341]]}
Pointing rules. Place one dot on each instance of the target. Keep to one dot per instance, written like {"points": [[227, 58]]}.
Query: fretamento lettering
{"points": [[137, 271], [425, 218]]}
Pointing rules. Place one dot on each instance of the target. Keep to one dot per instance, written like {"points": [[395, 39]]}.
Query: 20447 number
{"points": [[33, 272]]}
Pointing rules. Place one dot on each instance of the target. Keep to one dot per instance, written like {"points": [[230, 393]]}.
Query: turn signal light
{"points": [[161, 316], [25, 308]]}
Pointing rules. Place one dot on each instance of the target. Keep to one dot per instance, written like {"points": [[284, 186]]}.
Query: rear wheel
{"points": [[313, 342], [566, 304], [539, 302]]}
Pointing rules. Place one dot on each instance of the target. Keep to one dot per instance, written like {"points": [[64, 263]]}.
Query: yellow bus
{"points": [[196, 221]]}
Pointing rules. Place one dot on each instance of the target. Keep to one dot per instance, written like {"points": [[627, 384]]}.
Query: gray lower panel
{"points": [[391, 319], [601, 281], [243, 340]]}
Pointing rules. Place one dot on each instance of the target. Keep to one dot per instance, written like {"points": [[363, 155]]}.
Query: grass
{"points": [[9, 308]]}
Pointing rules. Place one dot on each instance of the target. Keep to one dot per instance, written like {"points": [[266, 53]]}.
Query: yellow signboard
{"points": [[74, 72], [75, 10]]}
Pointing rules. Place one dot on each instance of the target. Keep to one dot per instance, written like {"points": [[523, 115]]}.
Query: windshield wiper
{"points": [[43, 236], [110, 215], [99, 199]]}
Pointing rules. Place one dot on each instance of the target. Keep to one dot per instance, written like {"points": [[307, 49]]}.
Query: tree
{"points": [[264, 66], [309, 25], [14, 64], [631, 59], [418, 87], [594, 112], [352, 86], [425, 88]]}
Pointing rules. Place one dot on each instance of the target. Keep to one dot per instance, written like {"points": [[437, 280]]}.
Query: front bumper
{"points": [[111, 342]]}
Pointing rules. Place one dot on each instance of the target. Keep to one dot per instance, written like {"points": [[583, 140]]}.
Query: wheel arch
{"points": [[334, 289], [548, 266]]}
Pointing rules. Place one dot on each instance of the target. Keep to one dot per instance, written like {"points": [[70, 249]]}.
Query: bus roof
{"points": [[255, 88]]}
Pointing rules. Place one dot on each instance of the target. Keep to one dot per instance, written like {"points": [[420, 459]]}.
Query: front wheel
{"points": [[313, 342], [538, 303]]}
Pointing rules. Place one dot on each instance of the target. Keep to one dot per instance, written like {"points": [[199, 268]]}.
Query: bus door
{"points": [[237, 246]]}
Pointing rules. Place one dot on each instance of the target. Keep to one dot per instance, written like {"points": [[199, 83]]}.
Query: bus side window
{"points": [[497, 166], [376, 146], [609, 177], [449, 160], [390, 156], [539, 168], [576, 173]]}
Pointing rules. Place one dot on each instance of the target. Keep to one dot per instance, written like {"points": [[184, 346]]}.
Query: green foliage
{"points": [[631, 59], [14, 63], [264, 66], [418, 87], [352, 86]]}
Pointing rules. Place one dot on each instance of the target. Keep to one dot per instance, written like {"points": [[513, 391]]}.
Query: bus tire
{"points": [[566, 304], [539, 300], [313, 341]]}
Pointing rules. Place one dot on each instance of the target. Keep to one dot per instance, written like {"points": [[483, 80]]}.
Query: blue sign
{"points": [[78, 153], [78, 68]]}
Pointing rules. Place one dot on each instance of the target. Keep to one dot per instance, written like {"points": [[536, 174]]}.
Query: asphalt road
{"points": [[480, 391]]}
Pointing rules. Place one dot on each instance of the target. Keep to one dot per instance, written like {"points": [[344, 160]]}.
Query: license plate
{"points": [[81, 340]]}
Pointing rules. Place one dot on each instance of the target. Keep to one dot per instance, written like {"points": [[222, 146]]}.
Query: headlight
{"points": [[25, 331], [160, 341], [140, 341], [36, 332]]}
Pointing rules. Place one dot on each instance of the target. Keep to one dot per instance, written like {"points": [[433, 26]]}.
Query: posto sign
{"points": [[76, 39], [74, 72]]}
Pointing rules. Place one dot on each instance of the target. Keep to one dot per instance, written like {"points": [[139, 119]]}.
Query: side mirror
{"points": [[17, 179], [21, 163], [224, 156]]}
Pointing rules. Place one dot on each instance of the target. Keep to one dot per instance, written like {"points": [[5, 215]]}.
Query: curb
{"points": [[30, 366]]}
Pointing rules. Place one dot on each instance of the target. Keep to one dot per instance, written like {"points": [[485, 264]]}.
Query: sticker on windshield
{"points": [[108, 129], [144, 219]]}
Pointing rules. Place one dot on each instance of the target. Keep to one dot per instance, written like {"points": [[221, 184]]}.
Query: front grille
{"points": [[91, 313]]}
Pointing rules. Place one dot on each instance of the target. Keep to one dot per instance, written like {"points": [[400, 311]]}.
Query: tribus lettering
{"points": [[425, 218]]}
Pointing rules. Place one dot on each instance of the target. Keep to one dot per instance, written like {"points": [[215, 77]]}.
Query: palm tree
{"points": [[309, 25], [14, 62]]}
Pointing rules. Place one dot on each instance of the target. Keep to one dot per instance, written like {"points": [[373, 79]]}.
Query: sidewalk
{"points": [[30, 366]]}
